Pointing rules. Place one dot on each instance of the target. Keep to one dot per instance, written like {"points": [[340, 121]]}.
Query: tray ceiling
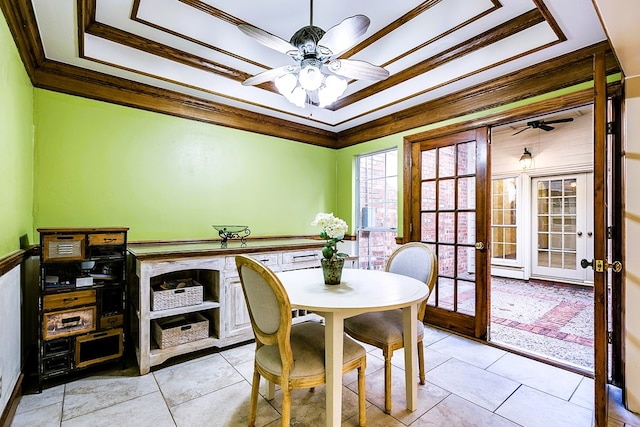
{"points": [[431, 48]]}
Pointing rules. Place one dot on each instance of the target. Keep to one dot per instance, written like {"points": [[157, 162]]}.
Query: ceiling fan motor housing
{"points": [[306, 40]]}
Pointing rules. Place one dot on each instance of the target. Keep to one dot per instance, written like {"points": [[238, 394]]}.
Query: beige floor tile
{"points": [[583, 395], [429, 395], [101, 391], [148, 410], [224, 407], [549, 379], [42, 416], [457, 412], [433, 335], [533, 408], [467, 350], [49, 396], [308, 407], [243, 353], [483, 388], [183, 382]]}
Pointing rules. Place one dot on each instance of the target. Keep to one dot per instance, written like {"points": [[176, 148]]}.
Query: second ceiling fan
{"points": [[544, 125], [319, 76]]}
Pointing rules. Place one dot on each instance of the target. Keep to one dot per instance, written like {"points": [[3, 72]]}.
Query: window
{"points": [[377, 204], [503, 219]]}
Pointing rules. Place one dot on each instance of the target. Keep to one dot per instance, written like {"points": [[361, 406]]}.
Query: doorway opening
{"points": [[541, 226]]}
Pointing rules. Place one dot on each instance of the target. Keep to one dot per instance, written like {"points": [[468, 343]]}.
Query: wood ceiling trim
{"points": [[510, 28], [47, 74], [564, 71], [72, 80], [408, 17]]}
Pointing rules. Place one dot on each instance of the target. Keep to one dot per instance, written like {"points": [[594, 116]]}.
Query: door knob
{"points": [[579, 233], [479, 246], [589, 233], [584, 263]]}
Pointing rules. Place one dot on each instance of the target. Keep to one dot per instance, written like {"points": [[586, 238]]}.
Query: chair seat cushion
{"points": [[379, 328], [307, 346]]}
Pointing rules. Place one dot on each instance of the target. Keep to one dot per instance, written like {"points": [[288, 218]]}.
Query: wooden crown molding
{"points": [[561, 72]]}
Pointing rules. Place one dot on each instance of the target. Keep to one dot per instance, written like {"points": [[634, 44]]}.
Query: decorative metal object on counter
{"points": [[227, 232]]}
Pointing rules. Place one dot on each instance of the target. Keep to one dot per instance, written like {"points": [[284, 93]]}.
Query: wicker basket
{"points": [[176, 330], [190, 292]]}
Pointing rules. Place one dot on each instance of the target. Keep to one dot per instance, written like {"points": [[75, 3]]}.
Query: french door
{"points": [[562, 226], [449, 187]]}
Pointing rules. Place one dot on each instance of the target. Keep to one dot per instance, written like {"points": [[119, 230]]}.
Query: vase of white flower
{"points": [[333, 231]]}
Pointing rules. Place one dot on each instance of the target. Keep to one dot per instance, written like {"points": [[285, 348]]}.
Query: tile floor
{"points": [[468, 384]]}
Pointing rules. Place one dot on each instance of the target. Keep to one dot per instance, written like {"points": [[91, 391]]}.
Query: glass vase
{"points": [[332, 270]]}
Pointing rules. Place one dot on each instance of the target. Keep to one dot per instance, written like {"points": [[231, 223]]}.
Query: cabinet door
{"points": [[237, 321]]}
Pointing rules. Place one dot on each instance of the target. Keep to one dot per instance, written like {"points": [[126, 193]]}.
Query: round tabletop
{"points": [[359, 290]]}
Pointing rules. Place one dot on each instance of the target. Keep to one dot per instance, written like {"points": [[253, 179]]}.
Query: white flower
{"points": [[334, 227]]}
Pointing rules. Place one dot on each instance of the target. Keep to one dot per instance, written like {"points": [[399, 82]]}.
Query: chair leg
{"points": [[421, 362], [362, 411], [387, 379], [286, 405], [253, 406]]}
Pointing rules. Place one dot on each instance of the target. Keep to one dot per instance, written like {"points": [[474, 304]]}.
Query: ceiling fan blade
{"points": [[359, 70], [342, 36], [568, 119], [269, 75], [546, 127], [521, 130], [267, 39]]}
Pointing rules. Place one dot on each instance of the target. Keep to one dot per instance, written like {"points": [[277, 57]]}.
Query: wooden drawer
{"points": [[69, 299], [270, 259], [63, 247], [301, 259], [98, 347], [111, 321], [57, 324], [106, 239]]}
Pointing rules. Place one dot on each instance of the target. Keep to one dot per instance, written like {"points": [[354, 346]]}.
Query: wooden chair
{"points": [[291, 356], [384, 329]]}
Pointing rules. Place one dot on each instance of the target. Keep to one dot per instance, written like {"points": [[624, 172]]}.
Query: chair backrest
{"points": [[415, 260], [268, 304]]}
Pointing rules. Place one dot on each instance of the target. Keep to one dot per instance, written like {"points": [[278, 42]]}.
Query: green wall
{"points": [[98, 164], [16, 146]]}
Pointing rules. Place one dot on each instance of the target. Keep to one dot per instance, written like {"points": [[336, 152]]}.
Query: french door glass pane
{"points": [[467, 193], [446, 230], [446, 161], [428, 163], [467, 158], [446, 194], [466, 232]]}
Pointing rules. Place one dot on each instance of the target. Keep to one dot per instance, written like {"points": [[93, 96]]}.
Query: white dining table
{"points": [[360, 291]]}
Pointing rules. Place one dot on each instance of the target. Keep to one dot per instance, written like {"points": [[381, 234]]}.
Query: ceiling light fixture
{"points": [[320, 76], [526, 159]]}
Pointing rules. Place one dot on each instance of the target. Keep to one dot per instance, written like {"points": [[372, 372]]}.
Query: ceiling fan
{"points": [[544, 125], [319, 76]]}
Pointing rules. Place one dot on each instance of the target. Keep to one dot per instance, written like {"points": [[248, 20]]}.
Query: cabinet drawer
{"points": [[58, 324], [69, 299], [106, 239], [270, 259], [111, 321], [67, 247], [301, 259]]}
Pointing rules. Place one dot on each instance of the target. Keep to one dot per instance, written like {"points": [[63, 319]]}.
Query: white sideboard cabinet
{"points": [[213, 267]]}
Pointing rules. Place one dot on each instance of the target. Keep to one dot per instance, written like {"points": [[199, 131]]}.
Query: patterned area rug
{"points": [[550, 319]]}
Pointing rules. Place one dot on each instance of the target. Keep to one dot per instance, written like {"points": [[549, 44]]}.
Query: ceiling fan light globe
{"points": [[333, 88], [310, 77], [298, 97], [285, 84]]}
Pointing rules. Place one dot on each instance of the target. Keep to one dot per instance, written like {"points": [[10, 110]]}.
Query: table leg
{"points": [[409, 323], [334, 324]]}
